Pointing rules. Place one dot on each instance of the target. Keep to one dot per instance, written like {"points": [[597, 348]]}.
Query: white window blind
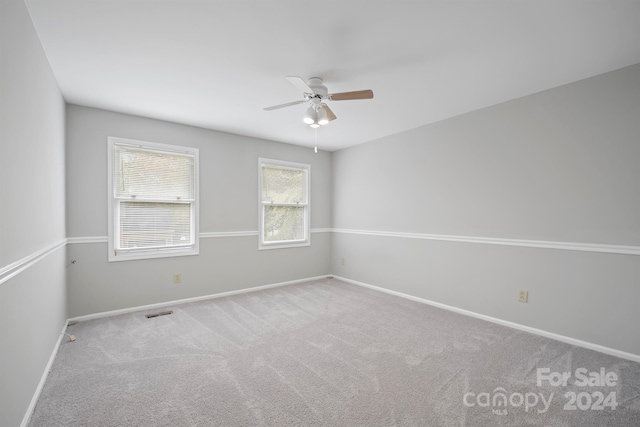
{"points": [[154, 200], [284, 198], [147, 174], [154, 225]]}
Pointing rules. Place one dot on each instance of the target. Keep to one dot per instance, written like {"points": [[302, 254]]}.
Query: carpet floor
{"points": [[327, 353]]}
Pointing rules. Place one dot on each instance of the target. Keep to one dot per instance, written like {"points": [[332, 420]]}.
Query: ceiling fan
{"points": [[315, 93]]}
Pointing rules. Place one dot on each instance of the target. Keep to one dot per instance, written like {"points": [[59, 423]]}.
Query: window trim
{"points": [[262, 244], [114, 206]]}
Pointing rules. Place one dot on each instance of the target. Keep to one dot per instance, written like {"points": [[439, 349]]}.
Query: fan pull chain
{"points": [[315, 131]]}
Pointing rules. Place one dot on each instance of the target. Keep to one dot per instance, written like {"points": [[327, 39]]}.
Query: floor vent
{"points": [[160, 313]]}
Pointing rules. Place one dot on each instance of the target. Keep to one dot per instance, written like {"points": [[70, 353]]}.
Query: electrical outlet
{"points": [[523, 296], [177, 278], [342, 261]]}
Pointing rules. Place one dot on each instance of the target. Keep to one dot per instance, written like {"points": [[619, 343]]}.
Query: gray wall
{"points": [[32, 211], [228, 203], [561, 165]]}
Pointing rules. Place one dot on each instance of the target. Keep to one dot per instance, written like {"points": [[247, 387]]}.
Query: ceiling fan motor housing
{"points": [[315, 83]]}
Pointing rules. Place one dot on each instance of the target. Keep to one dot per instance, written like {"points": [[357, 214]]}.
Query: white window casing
{"points": [[153, 200], [284, 204]]}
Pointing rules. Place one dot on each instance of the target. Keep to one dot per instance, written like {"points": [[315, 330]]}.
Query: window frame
{"points": [[116, 254], [262, 244]]}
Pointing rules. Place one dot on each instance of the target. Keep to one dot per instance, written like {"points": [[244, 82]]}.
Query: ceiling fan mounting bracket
{"points": [[315, 84]]}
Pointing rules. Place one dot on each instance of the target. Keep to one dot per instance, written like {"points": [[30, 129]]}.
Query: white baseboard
{"points": [[36, 395], [546, 334], [551, 335], [188, 300]]}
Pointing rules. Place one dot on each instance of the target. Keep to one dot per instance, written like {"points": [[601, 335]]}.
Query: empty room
{"points": [[285, 213]]}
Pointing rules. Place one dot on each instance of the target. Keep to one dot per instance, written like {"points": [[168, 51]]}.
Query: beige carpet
{"points": [[326, 353]]}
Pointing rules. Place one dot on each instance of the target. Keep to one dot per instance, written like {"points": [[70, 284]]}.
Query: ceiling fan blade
{"points": [[288, 104], [346, 96], [299, 83], [330, 114]]}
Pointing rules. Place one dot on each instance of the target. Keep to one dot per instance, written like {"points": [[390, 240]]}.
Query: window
{"points": [[284, 204], [153, 200]]}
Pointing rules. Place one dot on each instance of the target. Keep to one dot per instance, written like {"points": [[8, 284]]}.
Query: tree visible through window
{"points": [[284, 199]]}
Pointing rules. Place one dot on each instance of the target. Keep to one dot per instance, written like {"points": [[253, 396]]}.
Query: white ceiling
{"points": [[216, 64]]}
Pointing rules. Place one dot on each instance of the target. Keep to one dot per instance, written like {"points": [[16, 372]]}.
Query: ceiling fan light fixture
{"points": [[310, 117], [314, 125], [322, 116]]}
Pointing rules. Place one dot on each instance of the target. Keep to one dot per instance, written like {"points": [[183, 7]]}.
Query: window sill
{"points": [[167, 253], [283, 245]]}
